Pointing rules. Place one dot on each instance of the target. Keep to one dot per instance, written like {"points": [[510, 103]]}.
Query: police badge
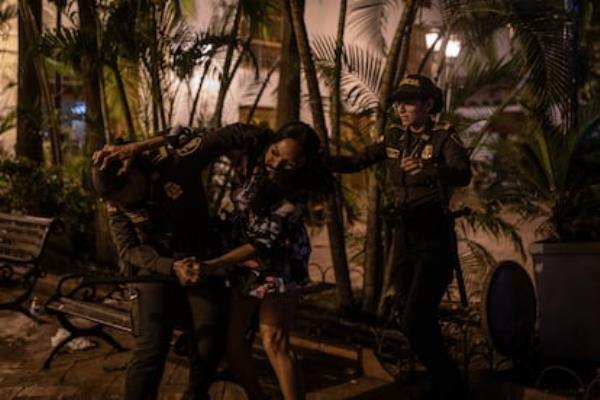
{"points": [[427, 152]]}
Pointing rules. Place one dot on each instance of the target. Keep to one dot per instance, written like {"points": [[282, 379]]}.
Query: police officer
{"points": [[424, 161], [159, 222]]}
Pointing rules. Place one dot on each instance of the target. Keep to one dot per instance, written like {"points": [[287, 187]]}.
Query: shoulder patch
{"points": [[189, 147], [392, 152], [138, 216], [173, 190]]}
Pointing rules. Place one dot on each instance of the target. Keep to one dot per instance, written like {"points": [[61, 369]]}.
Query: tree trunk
{"points": [[95, 130], [288, 93], [261, 91], [33, 34], [334, 225], [90, 71], [227, 75], [160, 121], [197, 95], [122, 92], [29, 101], [373, 251], [336, 104]]}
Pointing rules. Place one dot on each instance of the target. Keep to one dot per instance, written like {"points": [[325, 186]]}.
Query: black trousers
{"points": [[161, 307], [423, 247]]}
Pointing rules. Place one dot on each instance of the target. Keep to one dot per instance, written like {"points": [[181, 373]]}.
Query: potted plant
{"points": [[554, 178]]}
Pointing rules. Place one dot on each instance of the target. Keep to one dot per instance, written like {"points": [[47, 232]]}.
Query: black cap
{"points": [[419, 87]]}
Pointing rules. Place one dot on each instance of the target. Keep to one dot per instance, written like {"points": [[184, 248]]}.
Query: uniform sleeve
{"points": [[349, 164], [454, 167], [202, 147], [130, 249]]}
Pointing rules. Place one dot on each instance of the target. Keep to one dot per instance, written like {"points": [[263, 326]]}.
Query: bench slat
{"points": [[20, 248], [26, 219], [10, 227], [7, 236], [95, 312]]}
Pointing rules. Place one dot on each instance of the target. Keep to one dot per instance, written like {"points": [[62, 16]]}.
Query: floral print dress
{"points": [[279, 235]]}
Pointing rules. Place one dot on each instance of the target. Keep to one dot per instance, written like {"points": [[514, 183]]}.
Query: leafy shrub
{"points": [[27, 188]]}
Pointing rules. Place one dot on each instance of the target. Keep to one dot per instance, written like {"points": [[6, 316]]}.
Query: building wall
{"points": [[8, 78]]}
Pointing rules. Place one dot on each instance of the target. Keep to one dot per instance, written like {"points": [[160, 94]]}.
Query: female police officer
{"points": [[424, 161]]}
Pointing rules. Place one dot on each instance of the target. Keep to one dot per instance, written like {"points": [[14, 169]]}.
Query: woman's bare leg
{"points": [[239, 351], [276, 315]]}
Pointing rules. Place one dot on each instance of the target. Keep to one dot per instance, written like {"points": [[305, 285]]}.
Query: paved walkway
{"points": [[99, 373]]}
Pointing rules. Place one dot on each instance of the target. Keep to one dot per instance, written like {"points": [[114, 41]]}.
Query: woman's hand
{"points": [[184, 271], [411, 165], [108, 153]]}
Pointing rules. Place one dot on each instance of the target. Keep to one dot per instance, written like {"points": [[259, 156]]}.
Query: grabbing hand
{"points": [[108, 153], [185, 272], [411, 165]]}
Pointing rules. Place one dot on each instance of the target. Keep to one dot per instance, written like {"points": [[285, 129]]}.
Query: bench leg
{"points": [[25, 311], [56, 349], [100, 334], [110, 340]]}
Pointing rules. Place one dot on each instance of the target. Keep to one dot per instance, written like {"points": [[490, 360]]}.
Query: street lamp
{"points": [[452, 48], [431, 38]]}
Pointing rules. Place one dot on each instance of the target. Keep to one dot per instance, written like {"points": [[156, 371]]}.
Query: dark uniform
{"points": [[422, 241], [171, 224]]}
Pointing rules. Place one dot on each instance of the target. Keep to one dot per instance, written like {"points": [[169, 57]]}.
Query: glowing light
{"points": [[431, 38], [453, 48]]}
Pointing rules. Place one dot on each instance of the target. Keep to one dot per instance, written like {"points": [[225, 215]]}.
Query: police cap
{"points": [[419, 87]]}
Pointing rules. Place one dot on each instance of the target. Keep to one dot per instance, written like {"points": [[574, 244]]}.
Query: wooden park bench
{"points": [[22, 242]]}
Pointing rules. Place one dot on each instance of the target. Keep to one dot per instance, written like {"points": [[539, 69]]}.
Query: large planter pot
{"points": [[567, 277]]}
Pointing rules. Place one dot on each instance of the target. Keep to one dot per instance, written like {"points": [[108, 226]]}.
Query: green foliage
{"points": [[369, 18], [554, 176], [539, 44], [27, 188], [8, 121], [7, 13]]}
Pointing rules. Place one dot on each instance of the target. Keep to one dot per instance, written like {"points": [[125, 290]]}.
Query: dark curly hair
{"points": [[312, 181]]}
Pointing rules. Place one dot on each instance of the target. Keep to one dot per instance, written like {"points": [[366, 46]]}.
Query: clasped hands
{"points": [[191, 271], [412, 165]]}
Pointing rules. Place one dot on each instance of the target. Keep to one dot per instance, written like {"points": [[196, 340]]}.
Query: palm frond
{"points": [[483, 76], [370, 17], [362, 72], [67, 45], [8, 121], [539, 45], [7, 13]]}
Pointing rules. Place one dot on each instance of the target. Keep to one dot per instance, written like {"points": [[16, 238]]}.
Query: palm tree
{"points": [[288, 92], [335, 225], [29, 106]]}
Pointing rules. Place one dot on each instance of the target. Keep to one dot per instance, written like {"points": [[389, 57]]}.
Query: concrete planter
{"points": [[567, 277]]}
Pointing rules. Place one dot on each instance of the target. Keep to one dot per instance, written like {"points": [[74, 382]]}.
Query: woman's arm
{"points": [[232, 257]]}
